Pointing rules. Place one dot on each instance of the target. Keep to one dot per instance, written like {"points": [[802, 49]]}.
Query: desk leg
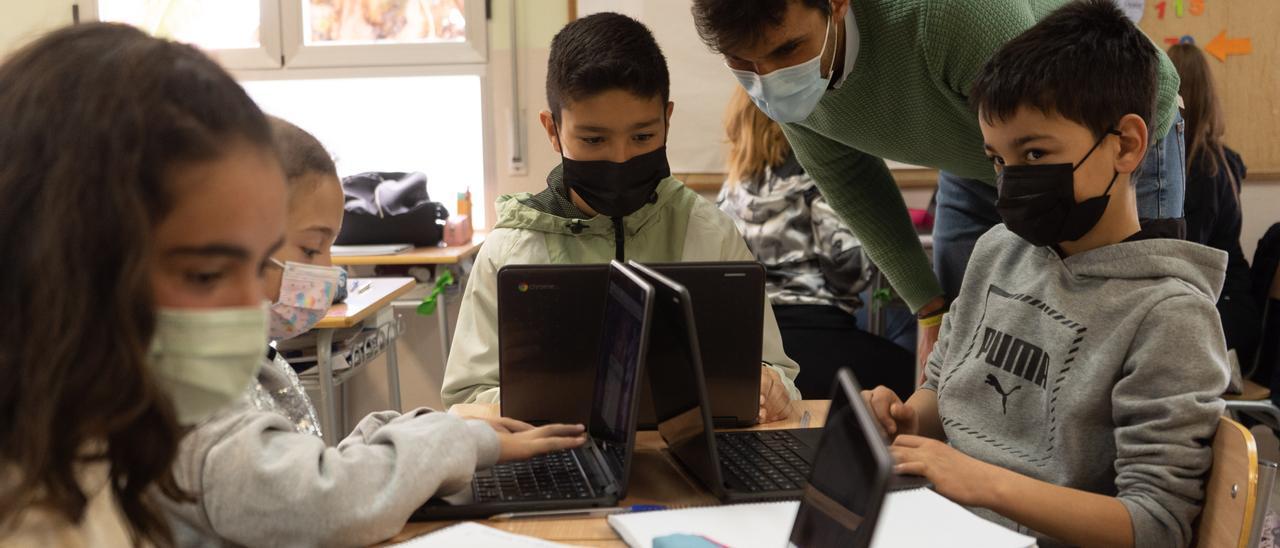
{"points": [[393, 370], [329, 413], [442, 318]]}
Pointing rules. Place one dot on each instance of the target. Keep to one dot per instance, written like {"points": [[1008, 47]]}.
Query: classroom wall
{"points": [[537, 23], [1260, 201], [23, 20], [421, 372]]}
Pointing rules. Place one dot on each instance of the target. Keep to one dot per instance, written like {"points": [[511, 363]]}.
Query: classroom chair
{"points": [[1231, 498], [1255, 400]]}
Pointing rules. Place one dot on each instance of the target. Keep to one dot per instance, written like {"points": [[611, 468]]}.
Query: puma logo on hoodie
{"points": [[1004, 396]]}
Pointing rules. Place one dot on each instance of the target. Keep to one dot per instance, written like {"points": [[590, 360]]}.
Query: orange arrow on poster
{"points": [[1221, 46]]}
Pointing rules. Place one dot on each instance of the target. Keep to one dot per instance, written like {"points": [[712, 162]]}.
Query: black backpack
{"points": [[390, 208]]}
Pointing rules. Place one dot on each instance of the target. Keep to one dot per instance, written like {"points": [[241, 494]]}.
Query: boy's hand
{"points": [[536, 441], [955, 475], [892, 416], [775, 402]]}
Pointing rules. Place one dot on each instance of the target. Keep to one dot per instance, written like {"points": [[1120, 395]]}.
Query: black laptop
{"points": [[852, 472], [734, 466], [596, 473], [549, 331]]}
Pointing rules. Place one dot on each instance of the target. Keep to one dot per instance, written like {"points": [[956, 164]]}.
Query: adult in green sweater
{"points": [[858, 82]]}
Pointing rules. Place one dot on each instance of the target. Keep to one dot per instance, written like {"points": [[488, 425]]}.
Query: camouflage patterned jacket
{"points": [[811, 255]]}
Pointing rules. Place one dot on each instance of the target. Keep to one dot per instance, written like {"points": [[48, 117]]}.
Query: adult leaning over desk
{"points": [[858, 82]]}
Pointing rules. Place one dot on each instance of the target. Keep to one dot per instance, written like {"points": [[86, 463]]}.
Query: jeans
{"points": [[899, 323], [967, 207]]}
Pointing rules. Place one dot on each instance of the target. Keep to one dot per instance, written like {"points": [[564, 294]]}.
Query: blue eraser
{"points": [[683, 541]]}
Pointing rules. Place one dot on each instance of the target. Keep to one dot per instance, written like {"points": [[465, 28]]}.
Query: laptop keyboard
{"points": [[762, 461], [553, 476], [615, 450]]}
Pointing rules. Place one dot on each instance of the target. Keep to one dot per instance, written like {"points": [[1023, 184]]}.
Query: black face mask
{"points": [[1038, 202], [617, 189]]}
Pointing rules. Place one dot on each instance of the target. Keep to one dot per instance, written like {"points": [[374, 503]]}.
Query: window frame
{"points": [[488, 171], [285, 46], [267, 55], [297, 54], [282, 55]]}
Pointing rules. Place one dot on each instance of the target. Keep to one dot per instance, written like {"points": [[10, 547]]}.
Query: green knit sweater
{"points": [[907, 100]]}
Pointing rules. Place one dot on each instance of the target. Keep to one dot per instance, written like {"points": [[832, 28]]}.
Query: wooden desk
{"points": [[418, 255], [371, 304], [656, 478], [435, 257], [365, 302]]}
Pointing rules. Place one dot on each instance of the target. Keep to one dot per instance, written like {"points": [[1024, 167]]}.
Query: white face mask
{"points": [[789, 94], [306, 293], [204, 358]]}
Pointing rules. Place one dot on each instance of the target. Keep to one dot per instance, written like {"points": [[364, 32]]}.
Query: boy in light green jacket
{"points": [[612, 197]]}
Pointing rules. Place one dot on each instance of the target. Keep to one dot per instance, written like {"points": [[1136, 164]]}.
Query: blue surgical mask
{"points": [[789, 94]]}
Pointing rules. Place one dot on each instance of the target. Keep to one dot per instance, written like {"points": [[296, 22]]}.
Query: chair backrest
{"points": [[1231, 493]]}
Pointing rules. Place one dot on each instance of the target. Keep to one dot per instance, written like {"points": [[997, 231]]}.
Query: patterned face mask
{"points": [[306, 292]]}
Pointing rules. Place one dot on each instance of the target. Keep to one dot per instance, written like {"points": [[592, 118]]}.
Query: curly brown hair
{"points": [[96, 117]]}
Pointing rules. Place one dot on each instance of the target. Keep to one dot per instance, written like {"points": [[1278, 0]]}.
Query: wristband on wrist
{"points": [[931, 321]]}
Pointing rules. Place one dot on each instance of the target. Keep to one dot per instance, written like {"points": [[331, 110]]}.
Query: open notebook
{"points": [[902, 523], [473, 535]]}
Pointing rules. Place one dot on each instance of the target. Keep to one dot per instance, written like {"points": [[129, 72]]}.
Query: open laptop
{"points": [[734, 466], [852, 472], [596, 473], [548, 333]]}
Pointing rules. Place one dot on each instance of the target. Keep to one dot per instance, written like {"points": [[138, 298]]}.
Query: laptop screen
{"points": [[618, 367], [849, 478], [676, 378]]}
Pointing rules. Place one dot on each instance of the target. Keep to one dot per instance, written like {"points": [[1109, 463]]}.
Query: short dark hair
{"points": [[300, 152], [726, 25], [1086, 62], [601, 52]]}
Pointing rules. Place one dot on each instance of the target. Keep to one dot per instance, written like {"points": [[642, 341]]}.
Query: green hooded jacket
{"points": [[546, 228]]}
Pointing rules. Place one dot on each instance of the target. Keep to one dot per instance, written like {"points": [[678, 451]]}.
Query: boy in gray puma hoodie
{"points": [[1075, 387]]}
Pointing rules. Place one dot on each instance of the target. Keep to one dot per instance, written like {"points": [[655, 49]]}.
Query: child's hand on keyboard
{"points": [[894, 417], [505, 425], [536, 441], [775, 402]]}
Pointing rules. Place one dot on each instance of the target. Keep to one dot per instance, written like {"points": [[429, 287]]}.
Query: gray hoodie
{"points": [[1102, 372], [266, 478]]}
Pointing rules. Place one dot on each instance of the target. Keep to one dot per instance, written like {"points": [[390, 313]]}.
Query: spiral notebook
{"points": [[910, 518]]}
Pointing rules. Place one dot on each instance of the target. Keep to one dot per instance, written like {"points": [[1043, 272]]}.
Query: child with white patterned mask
{"points": [[301, 280], [262, 471]]}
